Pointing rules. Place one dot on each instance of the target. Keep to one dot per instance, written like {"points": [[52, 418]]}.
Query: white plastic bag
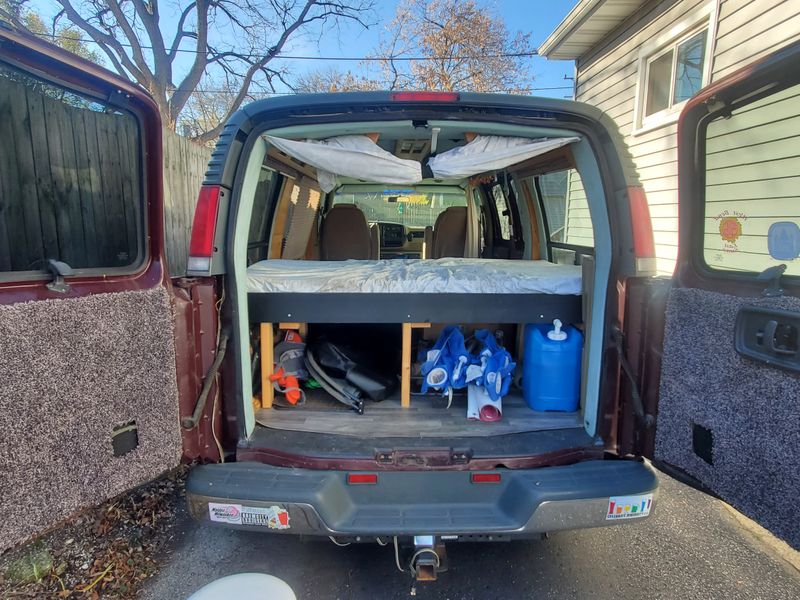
{"points": [[489, 153], [354, 156]]}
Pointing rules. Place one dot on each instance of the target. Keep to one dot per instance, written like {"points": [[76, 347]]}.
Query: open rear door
{"points": [[88, 400], [728, 412]]}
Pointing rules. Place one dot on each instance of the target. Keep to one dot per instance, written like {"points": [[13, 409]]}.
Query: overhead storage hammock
{"points": [[490, 153], [354, 156]]}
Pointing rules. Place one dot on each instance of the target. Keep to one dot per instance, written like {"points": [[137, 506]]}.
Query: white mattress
{"points": [[415, 276]]}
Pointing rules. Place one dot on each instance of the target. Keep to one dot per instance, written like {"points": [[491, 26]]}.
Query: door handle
{"points": [[770, 329], [769, 335]]}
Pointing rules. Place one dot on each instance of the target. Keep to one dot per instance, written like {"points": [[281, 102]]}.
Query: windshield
{"points": [[410, 207]]}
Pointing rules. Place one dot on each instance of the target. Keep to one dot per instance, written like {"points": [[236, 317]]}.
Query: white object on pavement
{"points": [[245, 586]]}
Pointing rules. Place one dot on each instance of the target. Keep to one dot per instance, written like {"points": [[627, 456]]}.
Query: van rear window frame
{"points": [[143, 253]]}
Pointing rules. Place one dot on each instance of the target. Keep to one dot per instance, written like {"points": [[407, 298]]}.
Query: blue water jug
{"points": [[551, 368]]}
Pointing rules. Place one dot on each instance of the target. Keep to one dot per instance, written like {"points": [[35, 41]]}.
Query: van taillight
{"points": [[362, 479], [644, 248], [204, 226], [485, 478], [425, 97]]}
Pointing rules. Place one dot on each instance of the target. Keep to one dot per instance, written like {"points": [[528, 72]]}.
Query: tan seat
{"points": [[345, 234], [450, 233]]}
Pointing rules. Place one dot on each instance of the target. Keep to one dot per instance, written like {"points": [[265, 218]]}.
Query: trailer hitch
{"points": [[427, 559]]}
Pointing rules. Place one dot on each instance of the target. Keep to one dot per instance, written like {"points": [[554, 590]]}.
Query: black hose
{"points": [[191, 422], [331, 385], [638, 406]]}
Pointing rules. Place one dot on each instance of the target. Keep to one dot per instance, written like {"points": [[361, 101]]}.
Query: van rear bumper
{"points": [[261, 497]]}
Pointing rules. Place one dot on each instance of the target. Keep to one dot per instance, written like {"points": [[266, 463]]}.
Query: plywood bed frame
{"points": [[412, 311]]}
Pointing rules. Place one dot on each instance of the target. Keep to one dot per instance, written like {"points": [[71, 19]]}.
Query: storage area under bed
{"points": [[394, 351]]}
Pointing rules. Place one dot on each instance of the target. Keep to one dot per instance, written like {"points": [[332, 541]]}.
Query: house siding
{"points": [[607, 77]]}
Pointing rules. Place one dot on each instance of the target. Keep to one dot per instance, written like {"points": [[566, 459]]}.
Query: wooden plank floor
{"points": [[427, 417]]}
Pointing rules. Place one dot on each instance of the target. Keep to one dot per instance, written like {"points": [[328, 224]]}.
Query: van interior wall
{"points": [[709, 395], [73, 370]]}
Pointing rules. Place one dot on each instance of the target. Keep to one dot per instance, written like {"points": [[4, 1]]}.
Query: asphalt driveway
{"points": [[692, 547]]}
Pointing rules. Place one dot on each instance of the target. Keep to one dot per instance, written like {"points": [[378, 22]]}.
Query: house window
{"points": [[676, 74], [672, 69]]}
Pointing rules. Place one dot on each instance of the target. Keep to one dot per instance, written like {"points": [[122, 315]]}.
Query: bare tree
{"points": [[333, 80], [241, 40], [17, 13], [464, 45], [209, 106], [438, 45]]}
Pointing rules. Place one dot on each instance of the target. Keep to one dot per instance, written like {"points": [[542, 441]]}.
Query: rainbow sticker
{"points": [[629, 507]]}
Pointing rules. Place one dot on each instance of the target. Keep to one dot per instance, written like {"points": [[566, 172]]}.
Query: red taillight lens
{"points": [[362, 479], [643, 243], [485, 478], [205, 222], [425, 97]]}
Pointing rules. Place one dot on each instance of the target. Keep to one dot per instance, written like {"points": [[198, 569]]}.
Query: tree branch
{"points": [[180, 32], [195, 73], [107, 43], [138, 56]]}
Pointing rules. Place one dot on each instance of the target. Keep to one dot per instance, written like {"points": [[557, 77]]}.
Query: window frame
{"points": [[698, 247], [535, 185], [702, 19], [143, 251]]}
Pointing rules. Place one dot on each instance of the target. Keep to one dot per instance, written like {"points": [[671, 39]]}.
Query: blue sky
{"points": [[538, 17]]}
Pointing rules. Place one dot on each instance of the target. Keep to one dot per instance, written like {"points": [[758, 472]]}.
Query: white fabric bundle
{"points": [[354, 156], [490, 153]]}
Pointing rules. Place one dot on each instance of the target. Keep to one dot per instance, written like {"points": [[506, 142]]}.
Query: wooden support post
{"points": [[405, 369], [267, 361]]}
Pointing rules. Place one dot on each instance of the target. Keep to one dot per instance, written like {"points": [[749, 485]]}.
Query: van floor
{"points": [[427, 417]]}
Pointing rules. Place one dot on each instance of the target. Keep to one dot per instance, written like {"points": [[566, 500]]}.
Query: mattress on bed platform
{"points": [[415, 276]]}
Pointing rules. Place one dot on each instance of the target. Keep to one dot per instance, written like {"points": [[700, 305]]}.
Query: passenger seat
{"points": [[345, 234], [449, 234]]}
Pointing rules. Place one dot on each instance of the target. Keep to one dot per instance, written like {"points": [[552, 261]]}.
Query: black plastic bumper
{"points": [[310, 502]]}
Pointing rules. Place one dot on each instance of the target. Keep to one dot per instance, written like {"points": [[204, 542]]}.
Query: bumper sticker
{"points": [[629, 507], [273, 517]]}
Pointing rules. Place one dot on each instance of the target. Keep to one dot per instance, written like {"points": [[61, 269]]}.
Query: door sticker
{"points": [[273, 517], [629, 507], [783, 240], [731, 227]]}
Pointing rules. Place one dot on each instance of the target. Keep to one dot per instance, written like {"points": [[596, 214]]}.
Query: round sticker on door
{"points": [[731, 227], [783, 240]]}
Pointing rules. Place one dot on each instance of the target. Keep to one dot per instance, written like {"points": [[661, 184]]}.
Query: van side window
{"points": [[503, 211], [266, 198], [752, 183], [70, 179], [567, 212]]}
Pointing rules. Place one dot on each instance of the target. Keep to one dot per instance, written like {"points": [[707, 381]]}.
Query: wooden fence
{"points": [[70, 186], [184, 166]]}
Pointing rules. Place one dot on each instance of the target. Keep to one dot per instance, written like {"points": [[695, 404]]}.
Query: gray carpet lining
{"points": [[752, 410], [71, 371]]}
